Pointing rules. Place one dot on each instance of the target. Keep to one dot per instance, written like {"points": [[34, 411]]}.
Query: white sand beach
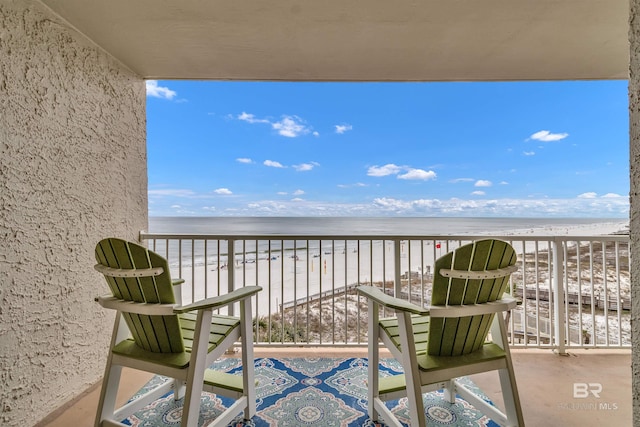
{"points": [[312, 269]]}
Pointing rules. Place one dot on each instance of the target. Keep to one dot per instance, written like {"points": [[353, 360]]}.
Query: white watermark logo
{"points": [[584, 390]]}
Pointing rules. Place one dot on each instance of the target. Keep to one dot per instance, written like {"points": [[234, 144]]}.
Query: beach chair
{"points": [[154, 333], [448, 340]]}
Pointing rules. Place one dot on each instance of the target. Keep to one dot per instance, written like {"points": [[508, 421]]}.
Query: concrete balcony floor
{"points": [[545, 382]]}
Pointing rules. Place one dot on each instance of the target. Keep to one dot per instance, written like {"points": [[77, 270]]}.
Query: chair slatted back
{"points": [[464, 335], [159, 334]]}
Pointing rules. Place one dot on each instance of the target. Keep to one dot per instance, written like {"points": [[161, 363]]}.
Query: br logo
{"points": [[584, 390]]}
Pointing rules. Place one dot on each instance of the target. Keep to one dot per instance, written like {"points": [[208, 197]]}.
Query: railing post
{"points": [[231, 270], [397, 267], [558, 297]]}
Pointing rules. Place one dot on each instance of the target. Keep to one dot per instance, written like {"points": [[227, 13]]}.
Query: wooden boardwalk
{"points": [[575, 299]]}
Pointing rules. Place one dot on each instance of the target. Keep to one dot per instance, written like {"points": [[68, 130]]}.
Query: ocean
{"points": [[362, 225]]}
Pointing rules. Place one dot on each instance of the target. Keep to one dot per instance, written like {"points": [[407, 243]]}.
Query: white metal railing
{"points": [[574, 290]]}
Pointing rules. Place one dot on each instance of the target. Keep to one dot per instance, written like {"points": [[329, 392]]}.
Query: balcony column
{"points": [[634, 169]]}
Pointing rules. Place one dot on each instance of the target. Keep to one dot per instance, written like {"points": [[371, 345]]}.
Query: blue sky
{"points": [[522, 149]]}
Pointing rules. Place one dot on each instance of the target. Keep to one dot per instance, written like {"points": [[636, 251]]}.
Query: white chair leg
{"points": [[513, 409], [108, 393], [197, 366], [411, 371], [373, 374], [450, 391], [112, 373], [179, 389], [248, 369], [511, 399]]}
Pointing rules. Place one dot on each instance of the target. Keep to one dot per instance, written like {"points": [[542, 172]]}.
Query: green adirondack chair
{"points": [[154, 333], [448, 340]]}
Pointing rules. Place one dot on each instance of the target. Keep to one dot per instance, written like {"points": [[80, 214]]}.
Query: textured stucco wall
{"points": [[634, 158], [72, 170]]}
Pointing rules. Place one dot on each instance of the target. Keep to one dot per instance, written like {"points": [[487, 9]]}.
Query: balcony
{"points": [[86, 108], [573, 292]]}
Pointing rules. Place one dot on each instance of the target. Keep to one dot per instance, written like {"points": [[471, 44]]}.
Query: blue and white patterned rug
{"points": [[310, 392]]}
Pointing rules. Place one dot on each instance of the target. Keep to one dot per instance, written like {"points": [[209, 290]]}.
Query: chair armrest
{"points": [[506, 303], [388, 301], [219, 301], [176, 282]]}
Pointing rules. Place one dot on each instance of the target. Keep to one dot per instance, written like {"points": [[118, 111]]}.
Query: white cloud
{"points": [[457, 180], [504, 183], [340, 129], [303, 167], [295, 193], [393, 204], [478, 193], [182, 210], [618, 207], [250, 118], [483, 183], [224, 191], [316, 133], [357, 184], [273, 164], [409, 173], [172, 193], [159, 91], [588, 195], [164, 194], [388, 169], [418, 174], [472, 206], [529, 153], [594, 195], [244, 160], [546, 136], [291, 126]]}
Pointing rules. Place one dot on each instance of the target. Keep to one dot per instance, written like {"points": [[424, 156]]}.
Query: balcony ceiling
{"points": [[351, 40]]}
